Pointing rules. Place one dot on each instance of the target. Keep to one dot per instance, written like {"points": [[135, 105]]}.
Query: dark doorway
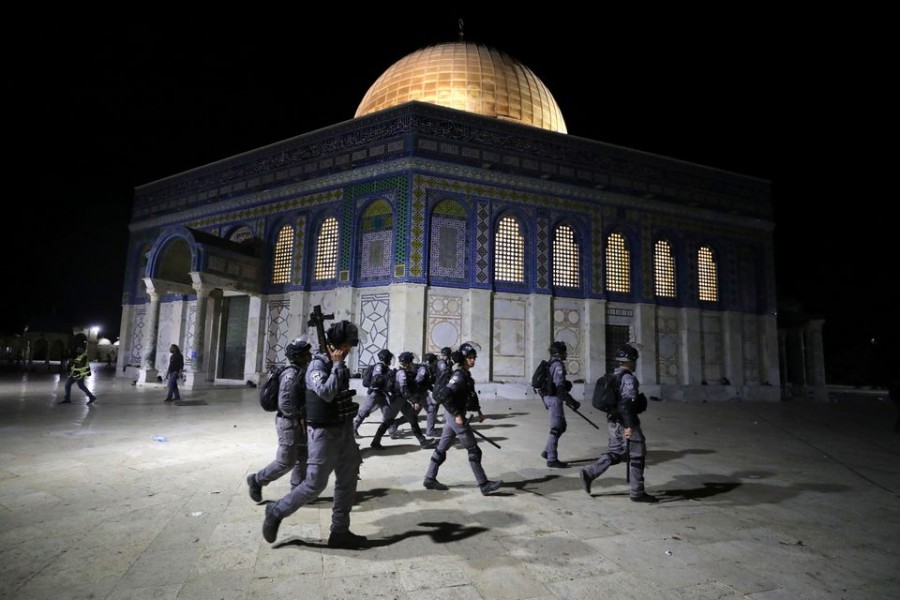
{"points": [[235, 311]]}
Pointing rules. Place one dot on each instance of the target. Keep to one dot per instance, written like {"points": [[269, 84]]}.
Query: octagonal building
{"points": [[455, 206]]}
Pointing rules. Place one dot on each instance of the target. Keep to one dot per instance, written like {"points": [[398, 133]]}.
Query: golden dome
{"points": [[470, 77]]}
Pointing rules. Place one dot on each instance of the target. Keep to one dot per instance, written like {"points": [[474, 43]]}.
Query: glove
{"points": [[568, 386]]}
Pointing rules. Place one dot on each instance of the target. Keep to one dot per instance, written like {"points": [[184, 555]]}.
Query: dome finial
{"points": [[461, 35]]}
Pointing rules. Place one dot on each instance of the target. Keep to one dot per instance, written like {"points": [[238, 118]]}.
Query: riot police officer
{"points": [[460, 393], [378, 396], [404, 400], [332, 446], [558, 394], [290, 422]]}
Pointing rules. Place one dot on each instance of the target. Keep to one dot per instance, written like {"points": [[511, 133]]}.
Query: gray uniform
{"points": [[616, 423], [376, 398], [292, 451], [402, 400], [331, 445], [462, 388], [555, 404]]}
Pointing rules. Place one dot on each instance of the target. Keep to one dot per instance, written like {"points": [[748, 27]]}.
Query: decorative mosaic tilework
{"points": [[597, 219], [137, 334], [542, 260], [375, 311], [448, 246], [443, 322], [299, 246], [376, 254], [277, 335], [568, 325], [274, 208], [395, 189], [508, 343], [417, 237], [667, 344], [190, 327], [482, 242], [377, 248]]}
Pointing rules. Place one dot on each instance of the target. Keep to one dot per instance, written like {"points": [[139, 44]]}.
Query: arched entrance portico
{"points": [[203, 295]]}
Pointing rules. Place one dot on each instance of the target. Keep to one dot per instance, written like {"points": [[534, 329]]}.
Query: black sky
{"points": [[107, 107]]}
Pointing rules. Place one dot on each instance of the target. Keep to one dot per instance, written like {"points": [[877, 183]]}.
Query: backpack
{"points": [[427, 382], [540, 377], [606, 393], [441, 393], [390, 380], [367, 376], [268, 394]]}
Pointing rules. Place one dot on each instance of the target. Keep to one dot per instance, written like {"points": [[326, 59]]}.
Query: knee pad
{"points": [[438, 457], [475, 454], [614, 459], [555, 432], [638, 463]]}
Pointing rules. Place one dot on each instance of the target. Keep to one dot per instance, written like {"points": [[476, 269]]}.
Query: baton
{"points": [[594, 425], [481, 435], [627, 461]]}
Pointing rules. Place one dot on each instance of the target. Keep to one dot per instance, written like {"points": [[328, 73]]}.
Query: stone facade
{"points": [[417, 195]]}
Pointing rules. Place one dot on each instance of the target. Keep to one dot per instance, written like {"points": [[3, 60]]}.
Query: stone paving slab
{"points": [[758, 500]]}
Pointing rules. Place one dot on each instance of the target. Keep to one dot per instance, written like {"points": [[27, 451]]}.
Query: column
{"points": [[148, 371], [197, 351]]}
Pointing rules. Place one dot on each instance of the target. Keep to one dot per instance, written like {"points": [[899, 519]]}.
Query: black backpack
{"points": [[441, 393], [268, 394], [540, 377], [367, 376], [606, 393]]}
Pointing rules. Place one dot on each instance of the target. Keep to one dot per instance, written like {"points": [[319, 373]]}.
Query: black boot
{"points": [[271, 523], [379, 433]]}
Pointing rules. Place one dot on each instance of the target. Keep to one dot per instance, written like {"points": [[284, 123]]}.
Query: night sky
{"points": [[98, 109]]}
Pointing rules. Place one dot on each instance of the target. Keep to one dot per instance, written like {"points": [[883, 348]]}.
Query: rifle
{"points": [[481, 435], [317, 320], [345, 408]]}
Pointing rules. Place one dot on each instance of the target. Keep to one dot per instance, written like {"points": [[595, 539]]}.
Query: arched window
{"points": [[448, 242], [284, 250], [664, 269], [509, 251], [326, 250], [706, 273], [618, 264], [377, 235], [566, 258]]}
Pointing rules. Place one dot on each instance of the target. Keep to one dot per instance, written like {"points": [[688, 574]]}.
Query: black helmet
{"points": [[446, 351], [297, 347], [386, 356], [468, 350], [343, 332], [430, 357], [406, 357], [558, 348], [626, 353]]}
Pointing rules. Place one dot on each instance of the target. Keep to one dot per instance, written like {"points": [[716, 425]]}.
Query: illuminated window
{"points": [[706, 270], [565, 258], [618, 264], [509, 259], [284, 249], [326, 250], [664, 269]]}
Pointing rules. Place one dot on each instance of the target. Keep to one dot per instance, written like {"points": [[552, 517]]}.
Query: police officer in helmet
{"points": [[331, 445], [290, 422]]}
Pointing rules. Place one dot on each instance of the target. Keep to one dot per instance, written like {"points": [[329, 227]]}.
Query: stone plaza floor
{"points": [[785, 500]]}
